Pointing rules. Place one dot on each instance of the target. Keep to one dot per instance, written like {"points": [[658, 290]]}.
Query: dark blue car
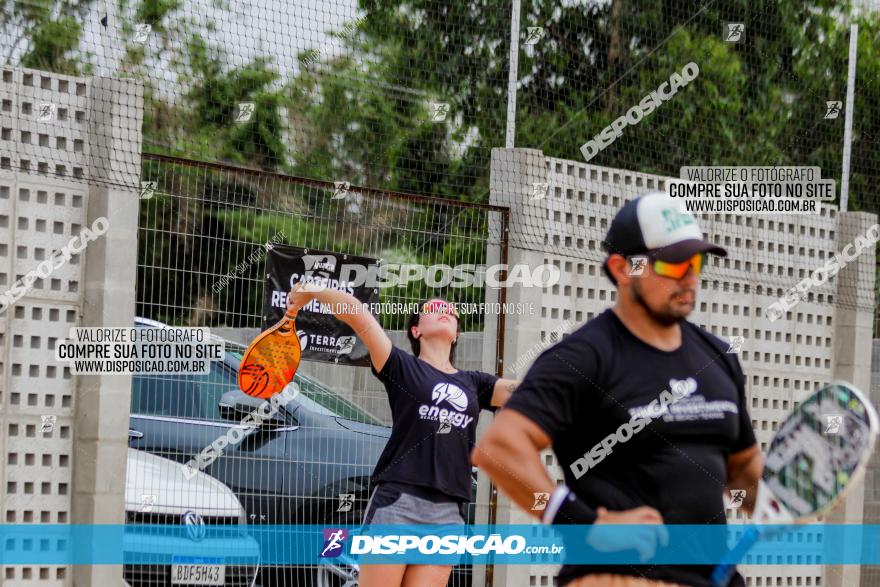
{"points": [[310, 463]]}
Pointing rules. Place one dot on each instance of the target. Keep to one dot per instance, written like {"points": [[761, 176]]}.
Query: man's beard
{"points": [[665, 316]]}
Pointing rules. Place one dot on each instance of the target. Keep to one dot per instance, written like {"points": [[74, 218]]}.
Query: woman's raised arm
{"points": [[350, 310]]}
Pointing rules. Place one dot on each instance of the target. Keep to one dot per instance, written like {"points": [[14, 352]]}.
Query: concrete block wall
{"points": [[63, 438], [820, 339], [58, 175]]}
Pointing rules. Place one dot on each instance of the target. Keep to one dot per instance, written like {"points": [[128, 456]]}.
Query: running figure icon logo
{"points": [[340, 190], [47, 423], [541, 501], [445, 426], [344, 345], [736, 343], [733, 32], [737, 497], [534, 34], [832, 109], [539, 190], [833, 422], [439, 111], [638, 265], [346, 502], [334, 542]]}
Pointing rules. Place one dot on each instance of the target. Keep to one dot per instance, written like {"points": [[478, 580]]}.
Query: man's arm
{"points": [[509, 452], [744, 469]]}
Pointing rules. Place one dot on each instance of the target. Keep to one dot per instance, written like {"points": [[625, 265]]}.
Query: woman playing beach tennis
{"points": [[424, 474]]}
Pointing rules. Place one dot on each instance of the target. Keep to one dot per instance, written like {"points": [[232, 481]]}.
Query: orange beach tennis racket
{"points": [[271, 360]]}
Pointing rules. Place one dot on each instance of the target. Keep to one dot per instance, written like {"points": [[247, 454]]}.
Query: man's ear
{"points": [[619, 267]]}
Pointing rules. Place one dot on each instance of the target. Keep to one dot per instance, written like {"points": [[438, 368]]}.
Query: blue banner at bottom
{"points": [[418, 544]]}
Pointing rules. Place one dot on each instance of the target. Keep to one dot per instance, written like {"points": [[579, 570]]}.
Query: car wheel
{"points": [[343, 571]]}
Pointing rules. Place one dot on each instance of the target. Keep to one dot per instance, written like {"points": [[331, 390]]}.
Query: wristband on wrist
{"points": [[564, 507], [560, 493]]}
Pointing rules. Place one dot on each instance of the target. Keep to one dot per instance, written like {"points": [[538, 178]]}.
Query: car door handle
{"points": [[132, 433]]}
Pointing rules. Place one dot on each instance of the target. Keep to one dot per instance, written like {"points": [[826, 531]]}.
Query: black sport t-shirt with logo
{"points": [[583, 388], [434, 424]]}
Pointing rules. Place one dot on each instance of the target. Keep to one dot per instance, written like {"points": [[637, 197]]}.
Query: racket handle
{"points": [[723, 573], [287, 324]]}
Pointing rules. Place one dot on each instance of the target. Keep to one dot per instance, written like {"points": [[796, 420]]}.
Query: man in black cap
{"points": [[632, 451]]}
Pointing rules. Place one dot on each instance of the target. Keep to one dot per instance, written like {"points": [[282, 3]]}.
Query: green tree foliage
{"points": [[212, 103], [45, 34], [364, 114], [346, 126], [598, 59]]}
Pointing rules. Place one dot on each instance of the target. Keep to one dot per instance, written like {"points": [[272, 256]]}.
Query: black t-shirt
{"points": [[434, 424], [583, 388]]}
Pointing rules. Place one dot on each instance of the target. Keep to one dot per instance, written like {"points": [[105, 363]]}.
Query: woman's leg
{"points": [[426, 575], [389, 506], [377, 512], [381, 575]]}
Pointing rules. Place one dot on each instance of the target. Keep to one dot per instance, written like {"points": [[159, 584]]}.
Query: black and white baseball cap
{"points": [[655, 226]]}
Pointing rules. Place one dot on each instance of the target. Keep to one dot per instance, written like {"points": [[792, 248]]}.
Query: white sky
{"points": [[276, 28]]}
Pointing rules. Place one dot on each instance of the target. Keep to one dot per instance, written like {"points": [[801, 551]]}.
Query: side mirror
{"points": [[236, 406]]}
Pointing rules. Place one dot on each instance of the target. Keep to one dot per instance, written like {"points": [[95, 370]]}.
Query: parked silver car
{"points": [[157, 491]]}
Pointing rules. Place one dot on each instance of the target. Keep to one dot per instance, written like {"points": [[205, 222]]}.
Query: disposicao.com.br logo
{"points": [[404, 545], [433, 544]]}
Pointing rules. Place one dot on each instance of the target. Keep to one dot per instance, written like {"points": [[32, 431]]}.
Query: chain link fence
{"points": [[411, 96], [282, 104], [204, 231]]}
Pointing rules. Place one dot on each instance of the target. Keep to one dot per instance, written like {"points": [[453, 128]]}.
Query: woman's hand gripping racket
{"points": [[819, 452], [271, 360]]}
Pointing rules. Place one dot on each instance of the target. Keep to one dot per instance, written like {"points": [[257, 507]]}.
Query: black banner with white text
{"points": [[322, 336]]}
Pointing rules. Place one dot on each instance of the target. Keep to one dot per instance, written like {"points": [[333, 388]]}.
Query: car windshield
{"points": [[317, 397], [181, 396]]}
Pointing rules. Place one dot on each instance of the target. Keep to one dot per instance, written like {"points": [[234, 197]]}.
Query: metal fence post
{"points": [[513, 175], [848, 115], [512, 75]]}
